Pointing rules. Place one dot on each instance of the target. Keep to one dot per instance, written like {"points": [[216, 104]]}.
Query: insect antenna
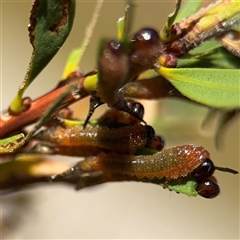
{"points": [[225, 169]]}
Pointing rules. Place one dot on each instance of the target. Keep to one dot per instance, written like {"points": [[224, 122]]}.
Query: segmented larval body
{"points": [[125, 139], [171, 163]]}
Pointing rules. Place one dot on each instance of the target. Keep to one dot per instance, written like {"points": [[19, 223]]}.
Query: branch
{"points": [[12, 123]]}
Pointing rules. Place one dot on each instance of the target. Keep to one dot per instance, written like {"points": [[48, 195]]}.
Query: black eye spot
{"points": [[206, 169], [136, 108], [207, 188], [150, 133]]}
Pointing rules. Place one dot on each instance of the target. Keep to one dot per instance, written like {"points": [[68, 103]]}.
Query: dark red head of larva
{"points": [[207, 188], [146, 37], [204, 170], [136, 107], [150, 133]]}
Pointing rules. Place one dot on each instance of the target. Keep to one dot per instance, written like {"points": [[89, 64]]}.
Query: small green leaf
{"points": [[189, 8], [217, 57], [50, 24], [9, 145], [123, 23], [72, 63], [166, 33], [188, 188], [217, 88], [75, 57]]}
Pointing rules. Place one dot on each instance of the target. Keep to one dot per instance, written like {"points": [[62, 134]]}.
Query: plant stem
{"points": [[13, 123]]}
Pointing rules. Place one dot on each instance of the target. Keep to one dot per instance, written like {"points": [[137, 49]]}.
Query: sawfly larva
{"points": [[172, 163], [124, 139], [187, 169]]}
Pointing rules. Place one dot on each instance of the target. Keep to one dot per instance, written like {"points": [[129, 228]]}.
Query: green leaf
{"points": [[189, 8], [217, 57], [121, 24], [188, 188], [166, 33], [217, 88], [124, 23], [9, 145], [72, 63], [205, 47], [75, 57], [50, 24]]}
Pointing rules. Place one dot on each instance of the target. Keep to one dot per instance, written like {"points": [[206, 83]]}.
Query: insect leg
{"points": [[95, 102]]}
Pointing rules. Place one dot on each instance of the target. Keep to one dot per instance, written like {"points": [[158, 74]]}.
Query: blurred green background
{"points": [[115, 210]]}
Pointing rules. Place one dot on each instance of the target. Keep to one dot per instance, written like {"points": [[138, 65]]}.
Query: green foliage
{"points": [[209, 75], [72, 63], [124, 23], [9, 145], [217, 88], [50, 24], [165, 33], [188, 8], [207, 57], [187, 188], [75, 57]]}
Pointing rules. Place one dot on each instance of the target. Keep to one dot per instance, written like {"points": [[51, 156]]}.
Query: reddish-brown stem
{"points": [[10, 124]]}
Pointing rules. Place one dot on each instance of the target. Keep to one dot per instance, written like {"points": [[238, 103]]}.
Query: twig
{"points": [[9, 124]]}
